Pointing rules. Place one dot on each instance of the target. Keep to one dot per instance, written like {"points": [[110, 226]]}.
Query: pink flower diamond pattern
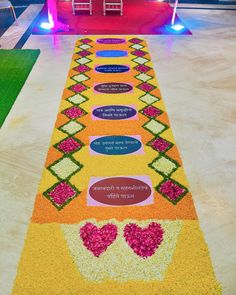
{"points": [[86, 41], [160, 145], [84, 53], [142, 68], [138, 53], [74, 112], [135, 40], [146, 87], [168, 188], [82, 68], [69, 145], [61, 194], [172, 191], [151, 112], [78, 88]]}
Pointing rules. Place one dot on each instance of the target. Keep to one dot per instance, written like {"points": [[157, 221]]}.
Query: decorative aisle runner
{"points": [[113, 214]]}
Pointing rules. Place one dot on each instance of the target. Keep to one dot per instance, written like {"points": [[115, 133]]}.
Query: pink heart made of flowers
{"points": [[97, 240], [144, 241]]}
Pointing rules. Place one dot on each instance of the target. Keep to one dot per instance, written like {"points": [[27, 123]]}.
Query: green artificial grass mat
{"points": [[15, 66]]}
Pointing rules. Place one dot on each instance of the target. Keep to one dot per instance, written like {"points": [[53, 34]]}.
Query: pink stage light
{"points": [[50, 24], [53, 23], [177, 27], [46, 26]]}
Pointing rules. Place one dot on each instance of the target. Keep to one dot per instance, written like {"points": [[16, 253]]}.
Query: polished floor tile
{"points": [[13, 34]]}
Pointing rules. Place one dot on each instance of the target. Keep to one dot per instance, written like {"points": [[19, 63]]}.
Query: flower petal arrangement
{"points": [[98, 240], [111, 218], [144, 242]]}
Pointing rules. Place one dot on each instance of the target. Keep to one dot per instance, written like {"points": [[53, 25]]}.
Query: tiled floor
{"points": [[14, 33], [6, 19], [197, 77]]}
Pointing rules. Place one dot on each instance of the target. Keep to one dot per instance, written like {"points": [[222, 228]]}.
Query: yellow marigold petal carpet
{"points": [[113, 213]]}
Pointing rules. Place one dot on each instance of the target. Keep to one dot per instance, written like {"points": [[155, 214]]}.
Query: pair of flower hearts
{"points": [[143, 241]]}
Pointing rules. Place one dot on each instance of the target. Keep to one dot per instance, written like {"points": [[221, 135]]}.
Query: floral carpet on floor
{"points": [[113, 213]]}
